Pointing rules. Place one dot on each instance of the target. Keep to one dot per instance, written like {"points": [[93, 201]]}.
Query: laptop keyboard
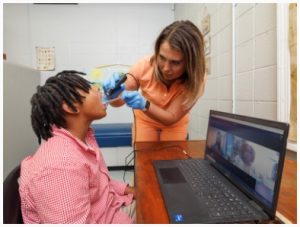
{"points": [[217, 196]]}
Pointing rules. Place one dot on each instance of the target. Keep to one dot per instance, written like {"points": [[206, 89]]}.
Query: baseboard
{"points": [[111, 168]]}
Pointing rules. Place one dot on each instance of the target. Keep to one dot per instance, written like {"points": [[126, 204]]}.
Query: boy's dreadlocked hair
{"points": [[46, 103]]}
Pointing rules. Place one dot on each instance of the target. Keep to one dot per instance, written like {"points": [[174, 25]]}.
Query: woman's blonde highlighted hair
{"points": [[185, 37]]}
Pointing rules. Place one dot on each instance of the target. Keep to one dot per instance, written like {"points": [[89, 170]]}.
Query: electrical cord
{"points": [[136, 80], [127, 163], [167, 147]]}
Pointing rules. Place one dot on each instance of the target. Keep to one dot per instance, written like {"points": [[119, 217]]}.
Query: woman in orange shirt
{"points": [[170, 83]]}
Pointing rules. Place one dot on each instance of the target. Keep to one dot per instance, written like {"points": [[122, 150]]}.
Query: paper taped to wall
{"points": [[45, 58]]}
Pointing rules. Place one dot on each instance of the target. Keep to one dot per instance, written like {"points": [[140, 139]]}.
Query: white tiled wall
{"points": [[245, 56], [255, 49], [256, 60], [263, 76]]}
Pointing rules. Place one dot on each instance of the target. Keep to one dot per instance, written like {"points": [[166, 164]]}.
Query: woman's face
{"points": [[170, 62]]}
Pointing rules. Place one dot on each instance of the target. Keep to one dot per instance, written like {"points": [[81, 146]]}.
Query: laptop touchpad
{"points": [[171, 175]]}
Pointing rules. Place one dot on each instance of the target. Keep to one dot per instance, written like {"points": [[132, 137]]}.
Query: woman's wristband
{"points": [[147, 105]]}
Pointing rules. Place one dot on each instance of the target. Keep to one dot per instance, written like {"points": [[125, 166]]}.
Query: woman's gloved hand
{"points": [[134, 99], [110, 83]]}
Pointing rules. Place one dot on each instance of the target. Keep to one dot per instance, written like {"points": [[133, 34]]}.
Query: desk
{"points": [[149, 202]]}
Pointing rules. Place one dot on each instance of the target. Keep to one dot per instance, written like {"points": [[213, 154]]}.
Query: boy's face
{"points": [[92, 106]]}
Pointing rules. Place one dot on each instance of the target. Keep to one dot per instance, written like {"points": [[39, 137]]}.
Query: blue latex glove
{"points": [[110, 83], [134, 99]]}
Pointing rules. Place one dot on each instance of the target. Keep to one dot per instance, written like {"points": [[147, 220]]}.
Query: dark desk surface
{"points": [[149, 202]]}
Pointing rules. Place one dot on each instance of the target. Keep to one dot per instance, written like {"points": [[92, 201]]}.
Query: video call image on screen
{"points": [[258, 163]]}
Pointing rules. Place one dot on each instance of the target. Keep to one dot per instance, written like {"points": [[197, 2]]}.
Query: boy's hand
{"points": [[130, 190]]}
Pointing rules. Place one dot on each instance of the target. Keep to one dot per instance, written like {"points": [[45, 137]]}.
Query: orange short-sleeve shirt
{"points": [[153, 90]]}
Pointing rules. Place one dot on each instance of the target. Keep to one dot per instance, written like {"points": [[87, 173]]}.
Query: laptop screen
{"points": [[250, 152]]}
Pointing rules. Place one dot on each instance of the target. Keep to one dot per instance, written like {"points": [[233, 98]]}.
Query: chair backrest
{"points": [[11, 198]]}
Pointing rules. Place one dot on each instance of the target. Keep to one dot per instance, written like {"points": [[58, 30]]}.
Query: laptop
{"points": [[237, 181]]}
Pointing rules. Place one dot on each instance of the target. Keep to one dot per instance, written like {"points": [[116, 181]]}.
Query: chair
{"points": [[11, 198]]}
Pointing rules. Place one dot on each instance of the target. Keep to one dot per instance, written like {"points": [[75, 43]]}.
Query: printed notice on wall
{"points": [[45, 57]]}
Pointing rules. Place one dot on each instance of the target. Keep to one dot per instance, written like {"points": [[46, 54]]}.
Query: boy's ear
{"points": [[68, 109]]}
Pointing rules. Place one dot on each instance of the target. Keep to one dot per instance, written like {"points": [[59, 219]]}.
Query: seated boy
{"points": [[66, 180]]}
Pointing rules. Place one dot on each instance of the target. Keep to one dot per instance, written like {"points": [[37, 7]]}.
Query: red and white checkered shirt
{"points": [[67, 181]]}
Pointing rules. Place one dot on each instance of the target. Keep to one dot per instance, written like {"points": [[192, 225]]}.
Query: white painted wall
{"points": [[16, 34], [255, 48], [84, 36], [19, 140], [89, 35]]}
